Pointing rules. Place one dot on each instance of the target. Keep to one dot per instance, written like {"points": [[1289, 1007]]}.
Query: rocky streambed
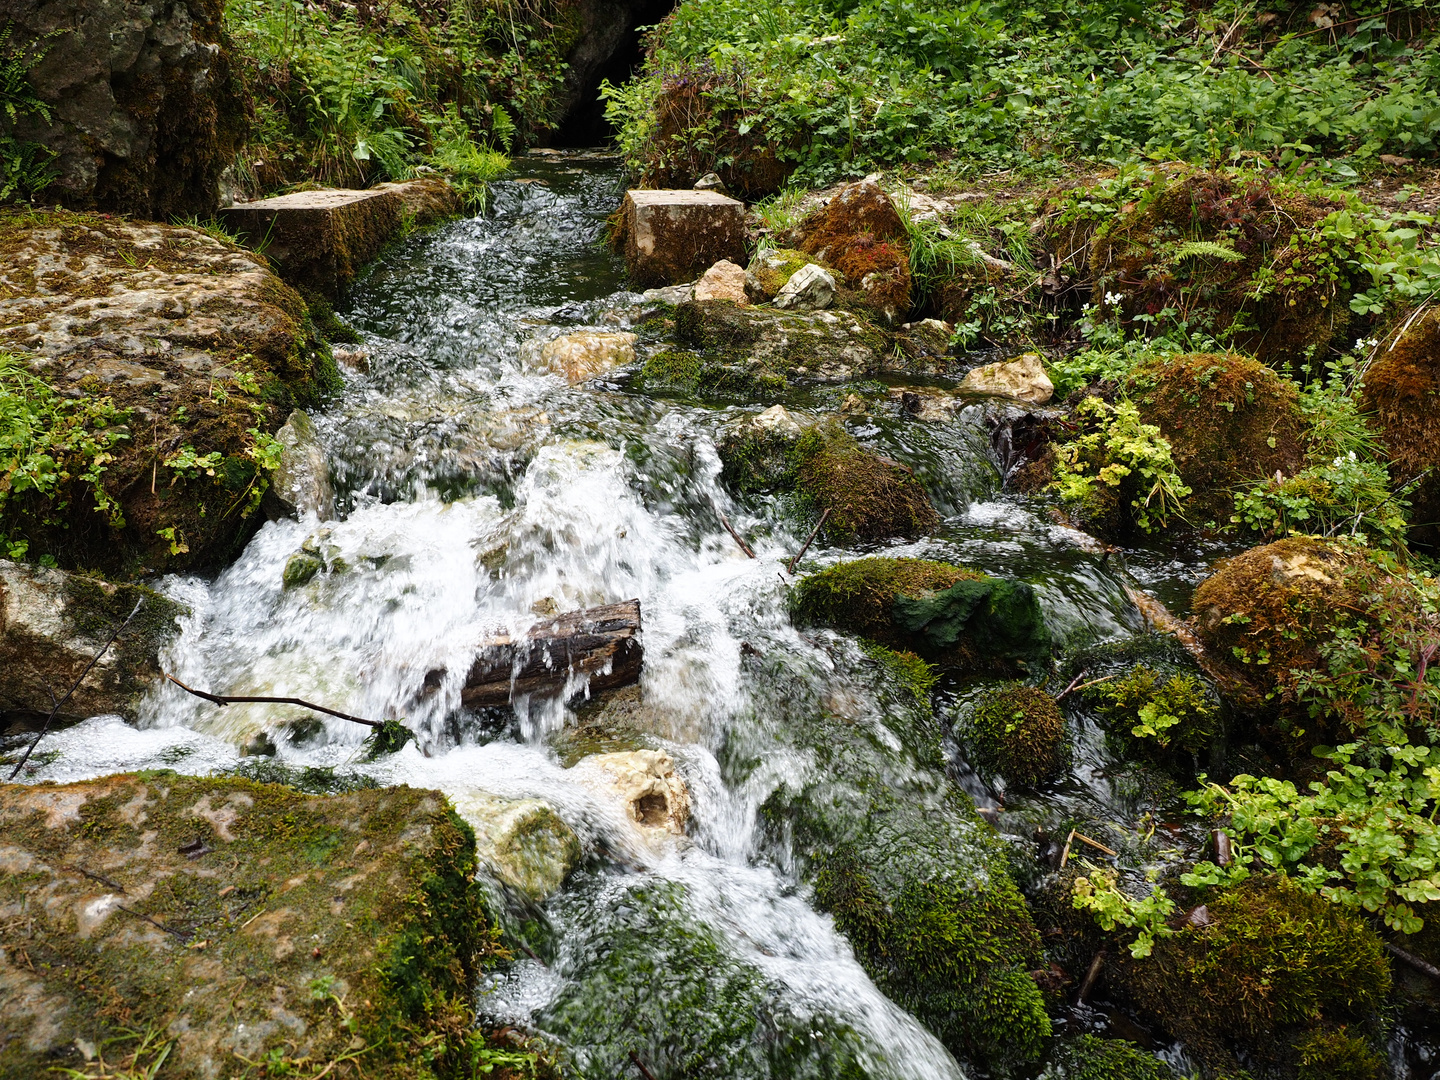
{"points": [[833, 831]]}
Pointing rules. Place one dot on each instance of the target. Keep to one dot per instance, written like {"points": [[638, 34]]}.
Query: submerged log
{"points": [[602, 643]]}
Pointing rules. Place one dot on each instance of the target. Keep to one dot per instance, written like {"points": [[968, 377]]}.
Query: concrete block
{"points": [[321, 239], [675, 236]]}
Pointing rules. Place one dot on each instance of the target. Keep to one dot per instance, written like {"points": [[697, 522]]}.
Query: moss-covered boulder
{"points": [[1230, 420], [1265, 971], [1156, 712], [53, 624], [1018, 732], [156, 362], [943, 612], [1240, 255], [1087, 1057], [1401, 391], [861, 234], [238, 921], [916, 881], [832, 346]]}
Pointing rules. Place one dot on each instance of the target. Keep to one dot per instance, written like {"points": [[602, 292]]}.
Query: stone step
{"points": [[673, 236]]}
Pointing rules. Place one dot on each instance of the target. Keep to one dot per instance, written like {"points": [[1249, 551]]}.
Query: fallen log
{"points": [[602, 643]]}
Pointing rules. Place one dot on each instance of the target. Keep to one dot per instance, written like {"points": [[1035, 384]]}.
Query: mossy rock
{"points": [[238, 918], [672, 369], [1241, 255], [1088, 1057], [914, 879], [1156, 713], [1401, 391], [764, 345], [1230, 420], [867, 497], [773, 268], [946, 613], [757, 455], [861, 234], [1268, 967], [1018, 732]]}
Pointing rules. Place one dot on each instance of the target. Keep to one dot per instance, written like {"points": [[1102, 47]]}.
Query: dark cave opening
{"points": [[610, 49]]}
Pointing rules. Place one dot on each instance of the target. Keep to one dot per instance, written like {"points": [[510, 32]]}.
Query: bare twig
{"points": [[808, 541], [1422, 966], [73, 687], [738, 538], [1090, 976], [1082, 686], [96, 877], [1065, 855], [236, 700], [635, 1060], [183, 935], [1093, 843]]}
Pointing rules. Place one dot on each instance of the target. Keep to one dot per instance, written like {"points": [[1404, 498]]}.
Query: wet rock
{"points": [[926, 403], [756, 452], [811, 288], [191, 335], [772, 268], [354, 358], [828, 345], [523, 841], [358, 914], [147, 107], [319, 239], [723, 281], [645, 784], [1017, 732], [669, 294], [425, 200], [300, 568], [53, 623], [300, 484], [588, 353], [674, 236], [1023, 378]]}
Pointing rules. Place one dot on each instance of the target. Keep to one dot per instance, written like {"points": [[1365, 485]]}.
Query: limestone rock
{"points": [[669, 294], [1023, 378], [772, 268], [828, 345], [320, 239], [674, 236], [193, 335], [523, 841], [191, 886], [52, 624], [723, 281], [147, 108], [926, 403], [425, 199], [588, 353], [645, 783], [301, 483], [810, 288]]}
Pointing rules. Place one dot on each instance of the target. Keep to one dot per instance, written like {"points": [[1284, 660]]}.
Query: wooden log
{"points": [[602, 643]]}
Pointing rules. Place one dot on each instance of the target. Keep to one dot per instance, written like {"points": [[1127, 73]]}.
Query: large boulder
{"points": [[861, 234], [238, 920], [53, 624], [584, 354], [1401, 387], [143, 107], [674, 236], [175, 355], [524, 842], [834, 346]]}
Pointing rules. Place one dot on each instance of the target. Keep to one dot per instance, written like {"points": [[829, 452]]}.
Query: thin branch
{"points": [[808, 541], [1414, 961], [235, 700], [738, 538], [73, 687]]}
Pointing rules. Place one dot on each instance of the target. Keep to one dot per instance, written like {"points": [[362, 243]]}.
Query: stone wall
{"points": [[146, 110]]}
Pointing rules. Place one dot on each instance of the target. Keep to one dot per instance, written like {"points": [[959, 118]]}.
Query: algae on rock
{"points": [[1018, 732]]}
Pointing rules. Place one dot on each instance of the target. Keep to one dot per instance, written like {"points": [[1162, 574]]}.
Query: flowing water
{"points": [[478, 492]]}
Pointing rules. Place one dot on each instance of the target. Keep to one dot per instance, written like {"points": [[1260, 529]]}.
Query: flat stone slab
{"points": [[674, 236], [320, 239], [235, 920]]}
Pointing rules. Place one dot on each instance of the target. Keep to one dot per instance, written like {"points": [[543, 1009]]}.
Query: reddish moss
{"points": [[860, 233]]}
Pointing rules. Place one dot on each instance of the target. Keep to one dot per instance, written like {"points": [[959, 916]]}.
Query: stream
{"points": [[477, 493]]}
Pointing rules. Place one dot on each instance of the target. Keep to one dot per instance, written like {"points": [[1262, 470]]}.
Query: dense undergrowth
{"points": [[819, 89]]}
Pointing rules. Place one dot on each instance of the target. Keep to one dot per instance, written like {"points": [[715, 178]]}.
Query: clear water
{"points": [[476, 492]]}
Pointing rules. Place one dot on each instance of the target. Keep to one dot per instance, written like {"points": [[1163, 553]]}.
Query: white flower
{"points": [[1113, 298]]}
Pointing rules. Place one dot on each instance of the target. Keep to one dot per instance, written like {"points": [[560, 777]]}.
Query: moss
{"points": [[672, 369], [1018, 732], [1087, 1057], [914, 676], [1229, 420], [1338, 1055], [1156, 714], [1273, 966], [1401, 390], [96, 608], [946, 613], [867, 497], [773, 268], [756, 458], [229, 886]]}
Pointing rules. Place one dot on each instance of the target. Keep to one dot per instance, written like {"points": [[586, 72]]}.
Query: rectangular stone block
{"points": [[319, 240], [675, 236]]}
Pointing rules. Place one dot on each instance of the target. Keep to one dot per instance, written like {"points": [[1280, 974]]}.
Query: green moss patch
{"points": [[1090, 1058], [867, 497], [241, 921], [1229, 420], [1156, 714], [947, 613], [1018, 732]]}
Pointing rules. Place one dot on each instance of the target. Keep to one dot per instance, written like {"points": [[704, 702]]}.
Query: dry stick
{"points": [[219, 700], [183, 935], [1082, 686], [73, 687], [1065, 855], [1414, 961], [96, 877], [738, 538], [1093, 843], [1090, 976], [808, 541], [635, 1059]]}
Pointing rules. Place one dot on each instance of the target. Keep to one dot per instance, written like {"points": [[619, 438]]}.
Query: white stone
{"points": [[301, 482], [1023, 378], [645, 784], [810, 288], [523, 841], [723, 281]]}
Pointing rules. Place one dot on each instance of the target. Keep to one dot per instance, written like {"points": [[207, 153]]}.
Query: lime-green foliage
{"points": [[1154, 710], [53, 449], [846, 88], [914, 675], [349, 102], [26, 168], [1019, 733], [950, 614], [1118, 474], [1090, 1058], [1099, 893], [1338, 1055]]}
